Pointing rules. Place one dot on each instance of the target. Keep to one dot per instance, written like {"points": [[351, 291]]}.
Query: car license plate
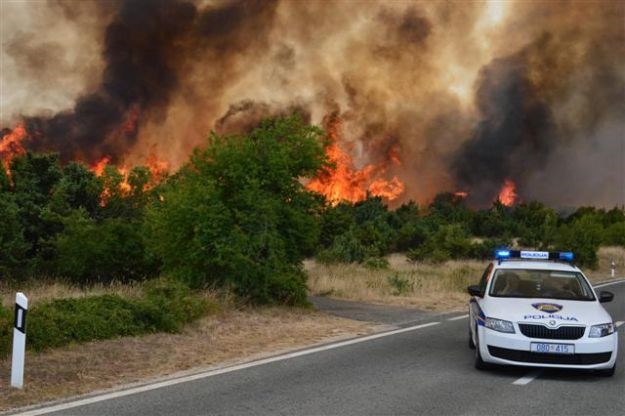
{"points": [[552, 348]]}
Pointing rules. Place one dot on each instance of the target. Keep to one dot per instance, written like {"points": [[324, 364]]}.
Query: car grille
{"points": [[539, 358], [541, 331]]}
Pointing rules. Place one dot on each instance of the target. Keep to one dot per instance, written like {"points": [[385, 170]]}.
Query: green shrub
{"points": [[114, 249], [448, 242], [63, 321], [411, 235], [376, 263], [166, 306], [346, 248], [583, 237], [6, 331], [12, 244], [614, 234], [439, 255], [485, 249], [399, 285]]}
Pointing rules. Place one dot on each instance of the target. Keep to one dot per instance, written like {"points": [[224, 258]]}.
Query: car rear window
{"points": [[525, 283]]}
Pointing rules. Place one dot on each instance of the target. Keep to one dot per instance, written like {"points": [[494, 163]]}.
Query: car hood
{"points": [[552, 312]]}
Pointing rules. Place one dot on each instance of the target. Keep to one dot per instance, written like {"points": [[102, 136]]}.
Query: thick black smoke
{"points": [[516, 133], [533, 105], [146, 48]]}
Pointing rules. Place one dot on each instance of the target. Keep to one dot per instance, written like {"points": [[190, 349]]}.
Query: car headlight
{"points": [[598, 331], [499, 325]]}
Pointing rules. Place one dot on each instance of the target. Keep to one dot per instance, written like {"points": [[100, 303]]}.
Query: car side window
{"points": [[484, 279]]}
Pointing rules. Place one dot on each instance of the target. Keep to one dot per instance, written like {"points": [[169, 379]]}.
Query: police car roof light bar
{"points": [[502, 254]]}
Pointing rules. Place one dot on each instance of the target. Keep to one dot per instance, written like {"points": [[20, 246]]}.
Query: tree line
{"points": [[237, 216]]}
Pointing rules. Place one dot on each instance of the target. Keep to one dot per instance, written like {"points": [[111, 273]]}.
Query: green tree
{"points": [[449, 208], [335, 221], [113, 249], [614, 234], [583, 236], [448, 242], [34, 177], [5, 182], [537, 224], [78, 188], [237, 215], [12, 245]]}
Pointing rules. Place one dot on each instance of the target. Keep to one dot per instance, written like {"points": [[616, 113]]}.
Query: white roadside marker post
{"points": [[19, 340], [613, 268]]}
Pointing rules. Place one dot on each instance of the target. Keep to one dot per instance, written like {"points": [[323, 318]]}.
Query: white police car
{"points": [[534, 308]]}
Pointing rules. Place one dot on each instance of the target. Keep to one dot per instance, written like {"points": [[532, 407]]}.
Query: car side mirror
{"points": [[605, 296], [474, 290]]}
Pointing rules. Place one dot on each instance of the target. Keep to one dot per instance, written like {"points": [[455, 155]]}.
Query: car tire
{"points": [[471, 343], [609, 372], [478, 362]]}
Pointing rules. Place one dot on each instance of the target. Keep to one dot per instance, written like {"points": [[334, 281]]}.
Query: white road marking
{"points": [[619, 323], [611, 283], [455, 318], [210, 373], [526, 379]]}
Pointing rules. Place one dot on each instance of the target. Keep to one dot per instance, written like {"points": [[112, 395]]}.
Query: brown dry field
{"points": [[435, 287], [227, 338]]}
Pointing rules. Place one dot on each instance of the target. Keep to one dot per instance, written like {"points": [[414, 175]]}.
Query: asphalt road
{"points": [[427, 370]]}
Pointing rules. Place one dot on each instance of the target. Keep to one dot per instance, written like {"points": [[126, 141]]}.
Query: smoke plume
{"points": [[439, 96]]}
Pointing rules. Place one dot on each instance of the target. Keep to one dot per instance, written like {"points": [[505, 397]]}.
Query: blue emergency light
{"points": [[502, 254]]}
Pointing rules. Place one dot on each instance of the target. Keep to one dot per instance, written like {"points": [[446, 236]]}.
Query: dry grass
{"points": [[45, 290], [228, 337], [439, 287], [606, 256]]}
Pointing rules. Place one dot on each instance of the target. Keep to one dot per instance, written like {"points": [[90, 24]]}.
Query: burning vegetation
{"points": [[341, 181], [11, 144], [507, 195], [492, 100]]}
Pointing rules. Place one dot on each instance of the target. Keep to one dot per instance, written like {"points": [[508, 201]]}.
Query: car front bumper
{"points": [[514, 349]]}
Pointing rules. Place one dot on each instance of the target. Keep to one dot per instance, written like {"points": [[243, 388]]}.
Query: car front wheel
{"points": [[478, 362]]}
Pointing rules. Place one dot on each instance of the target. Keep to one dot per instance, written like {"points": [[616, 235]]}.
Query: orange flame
{"points": [[507, 195], [158, 167], [98, 168], [11, 144], [342, 182], [387, 189], [124, 186], [158, 170]]}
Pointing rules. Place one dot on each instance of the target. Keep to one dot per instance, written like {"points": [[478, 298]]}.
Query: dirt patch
{"points": [[228, 337]]}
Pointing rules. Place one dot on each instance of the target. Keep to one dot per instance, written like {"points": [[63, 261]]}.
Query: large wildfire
{"points": [[493, 100]]}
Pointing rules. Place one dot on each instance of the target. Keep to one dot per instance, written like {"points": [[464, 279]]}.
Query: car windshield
{"points": [[553, 284]]}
